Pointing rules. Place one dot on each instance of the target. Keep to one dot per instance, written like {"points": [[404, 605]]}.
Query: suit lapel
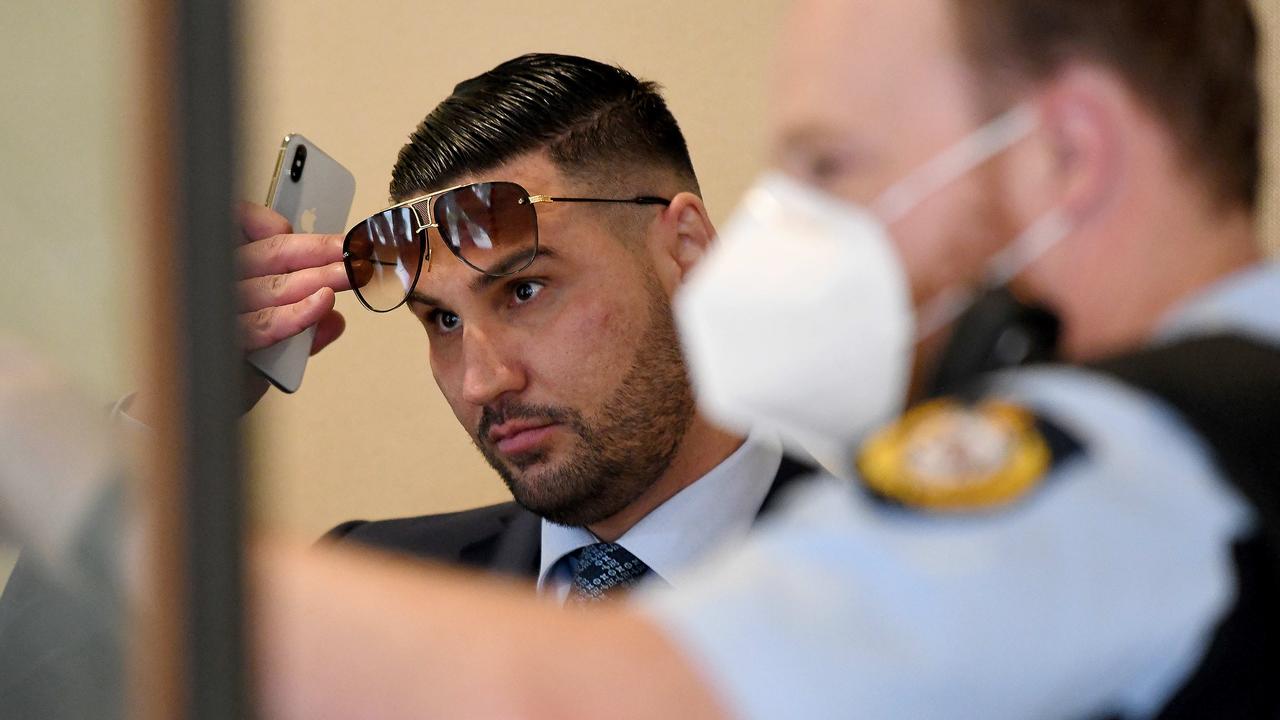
{"points": [[519, 548]]}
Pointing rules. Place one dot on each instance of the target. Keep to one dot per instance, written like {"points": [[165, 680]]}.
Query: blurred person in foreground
{"points": [[1090, 537]]}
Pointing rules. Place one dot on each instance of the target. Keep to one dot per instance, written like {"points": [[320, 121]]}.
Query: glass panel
{"points": [[70, 299]]}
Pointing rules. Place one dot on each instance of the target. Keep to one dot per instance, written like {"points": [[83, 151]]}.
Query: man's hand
{"points": [[285, 283]]}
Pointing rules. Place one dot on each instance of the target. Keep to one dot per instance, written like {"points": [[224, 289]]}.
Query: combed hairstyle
{"points": [[595, 121], [1192, 63]]}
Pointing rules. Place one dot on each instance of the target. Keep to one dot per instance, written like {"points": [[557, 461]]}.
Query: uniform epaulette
{"points": [[951, 456]]}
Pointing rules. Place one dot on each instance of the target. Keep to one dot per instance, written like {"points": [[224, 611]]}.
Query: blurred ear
{"points": [[1087, 119], [687, 234]]}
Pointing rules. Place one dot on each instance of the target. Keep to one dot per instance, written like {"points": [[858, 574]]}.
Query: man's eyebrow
{"points": [[482, 281], [508, 265], [810, 133], [415, 296]]}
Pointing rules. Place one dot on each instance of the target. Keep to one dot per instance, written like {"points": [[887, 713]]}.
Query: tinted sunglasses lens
{"points": [[491, 226], [383, 256]]}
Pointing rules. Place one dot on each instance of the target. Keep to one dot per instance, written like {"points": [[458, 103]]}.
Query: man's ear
{"points": [[686, 237], [1085, 113]]}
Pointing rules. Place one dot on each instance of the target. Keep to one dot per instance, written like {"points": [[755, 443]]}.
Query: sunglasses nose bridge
{"points": [[423, 227], [417, 216]]}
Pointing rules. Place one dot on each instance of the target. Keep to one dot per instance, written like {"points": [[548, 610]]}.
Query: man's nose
{"points": [[491, 368]]}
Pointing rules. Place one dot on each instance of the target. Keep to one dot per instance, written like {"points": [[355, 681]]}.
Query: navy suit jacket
{"points": [[504, 539]]}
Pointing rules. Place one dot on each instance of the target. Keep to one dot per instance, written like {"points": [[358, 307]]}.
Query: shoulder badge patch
{"points": [[949, 456]]}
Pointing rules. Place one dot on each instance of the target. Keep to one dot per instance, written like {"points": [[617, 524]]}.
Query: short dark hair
{"points": [[593, 119], [1192, 63]]}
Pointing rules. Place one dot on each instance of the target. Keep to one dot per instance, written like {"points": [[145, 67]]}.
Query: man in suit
{"points": [[567, 374]]}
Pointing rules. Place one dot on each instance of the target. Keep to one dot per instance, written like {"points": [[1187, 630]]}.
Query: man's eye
{"points": [[443, 321], [525, 290], [824, 167]]}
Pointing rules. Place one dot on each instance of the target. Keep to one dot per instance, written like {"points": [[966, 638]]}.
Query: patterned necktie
{"points": [[602, 571]]}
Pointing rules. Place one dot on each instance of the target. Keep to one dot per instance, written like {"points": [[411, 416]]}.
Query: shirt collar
{"points": [[715, 508], [1242, 302]]}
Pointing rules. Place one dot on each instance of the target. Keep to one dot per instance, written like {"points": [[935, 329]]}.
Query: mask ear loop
{"points": [[1005, 265], [982, 145], [952, 164]]}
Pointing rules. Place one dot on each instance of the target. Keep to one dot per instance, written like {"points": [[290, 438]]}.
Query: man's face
{"points": [[868, 91], [567, 375]]}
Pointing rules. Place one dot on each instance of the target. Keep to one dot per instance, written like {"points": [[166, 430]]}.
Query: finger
{"points": [[328, 329], [288, 288], [259, 221], [286, 253], [269, 326]]}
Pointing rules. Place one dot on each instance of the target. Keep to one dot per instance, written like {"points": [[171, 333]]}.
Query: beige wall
{"points": [[357, 78], [1269, 11]]}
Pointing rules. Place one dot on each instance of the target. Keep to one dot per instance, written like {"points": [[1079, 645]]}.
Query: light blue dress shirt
{"points": [[1096, 594], [717, 508]]}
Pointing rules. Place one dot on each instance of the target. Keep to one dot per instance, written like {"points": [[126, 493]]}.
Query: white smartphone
{"points": [[314, 193]]}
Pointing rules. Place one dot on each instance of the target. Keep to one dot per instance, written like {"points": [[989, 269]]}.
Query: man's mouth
{"points": [[520, 436]]}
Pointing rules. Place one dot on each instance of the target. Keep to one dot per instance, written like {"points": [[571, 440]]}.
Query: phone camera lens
{"points": [[299, 159]]}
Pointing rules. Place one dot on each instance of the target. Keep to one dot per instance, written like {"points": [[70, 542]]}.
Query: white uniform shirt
{"points": [[1097, 593]]}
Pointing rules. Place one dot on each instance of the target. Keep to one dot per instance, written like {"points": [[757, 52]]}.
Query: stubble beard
{"points": [[620, 452]]}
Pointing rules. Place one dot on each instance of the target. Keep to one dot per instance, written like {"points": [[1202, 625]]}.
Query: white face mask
{"points": [[800, 318]]}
